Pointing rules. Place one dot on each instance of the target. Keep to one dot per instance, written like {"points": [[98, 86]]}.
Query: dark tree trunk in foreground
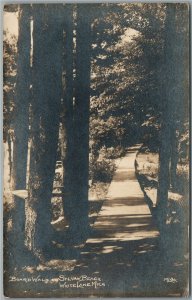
{"points": [[47, 53], [181, 84], [22, 99], [167, 114], [21, 124], [81, 119], [67, 113]]}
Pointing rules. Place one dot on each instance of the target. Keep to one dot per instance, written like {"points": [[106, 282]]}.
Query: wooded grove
{"points": [[82, 84]]}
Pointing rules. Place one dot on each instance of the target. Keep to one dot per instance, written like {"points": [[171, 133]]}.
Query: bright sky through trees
{"points": [[10, 23]]}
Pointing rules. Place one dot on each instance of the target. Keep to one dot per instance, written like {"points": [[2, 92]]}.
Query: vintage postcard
{"points": [[96, 150]]}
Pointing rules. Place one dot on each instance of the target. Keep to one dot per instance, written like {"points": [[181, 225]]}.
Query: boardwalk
{"points": [[125, 214], [123, 249]]}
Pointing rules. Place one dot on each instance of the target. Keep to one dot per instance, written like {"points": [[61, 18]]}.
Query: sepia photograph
{"points": [[96, 102]]}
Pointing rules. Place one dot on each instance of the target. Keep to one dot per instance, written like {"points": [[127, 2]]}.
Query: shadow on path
{"points": [[125, 255], [125, 249]]}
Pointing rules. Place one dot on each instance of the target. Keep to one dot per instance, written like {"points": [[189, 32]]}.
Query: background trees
{"points": [[126, 90]]}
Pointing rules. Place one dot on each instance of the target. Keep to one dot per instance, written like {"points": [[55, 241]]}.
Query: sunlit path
{"points": [[123, 249], [125, 214]]}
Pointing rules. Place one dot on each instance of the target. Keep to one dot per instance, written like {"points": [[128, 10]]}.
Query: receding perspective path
{"points": [[125, 215], [123, 249]]}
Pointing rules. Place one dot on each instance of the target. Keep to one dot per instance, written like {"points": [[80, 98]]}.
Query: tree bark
{"points": [[167, 115], [67, 113], [22, 100], [181, 82], [81, 119], [47, 88], [21, 122]]}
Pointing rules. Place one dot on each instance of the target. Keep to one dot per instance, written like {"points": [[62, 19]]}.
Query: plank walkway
{"points": [[124, 242], [125, 214]]}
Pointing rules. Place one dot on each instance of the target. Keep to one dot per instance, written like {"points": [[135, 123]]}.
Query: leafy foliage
{"points": [[9, 76], [101, 170], [126, 91], [112, 152]]}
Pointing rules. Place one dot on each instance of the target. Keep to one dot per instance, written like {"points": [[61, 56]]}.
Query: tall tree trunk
{"points": [[181, 82], [67, 113], [18, 169], [167, 115], [47, 83], [81, 119], [22, 99]]}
